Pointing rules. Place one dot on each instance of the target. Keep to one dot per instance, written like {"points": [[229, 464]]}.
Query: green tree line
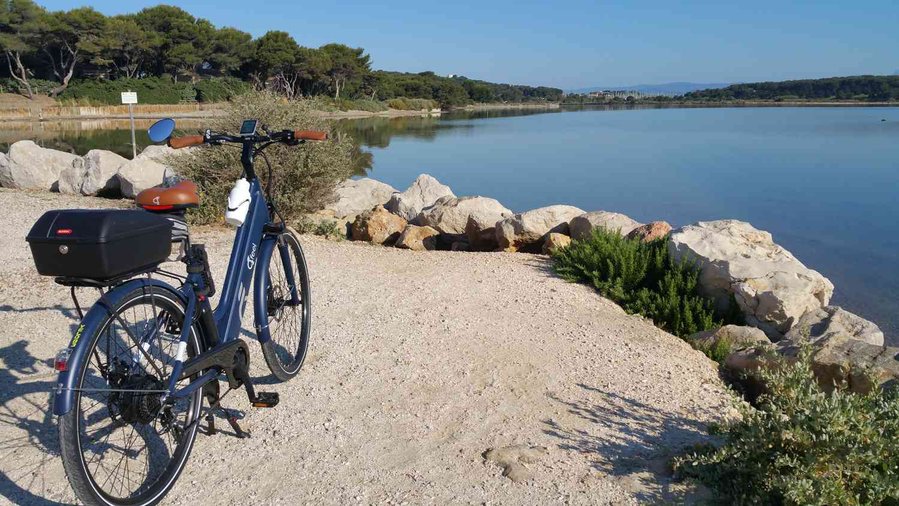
{"points": [[55, 52], [869, 88]]}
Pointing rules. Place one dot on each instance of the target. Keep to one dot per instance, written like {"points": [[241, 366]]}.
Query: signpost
{"points": [[130, 98]]}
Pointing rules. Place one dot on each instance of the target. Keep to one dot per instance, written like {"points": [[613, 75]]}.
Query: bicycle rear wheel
{"points": [[121, 443], [288, 306]]}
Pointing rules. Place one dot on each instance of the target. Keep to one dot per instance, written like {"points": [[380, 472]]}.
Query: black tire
{"points": [[124, 417], [289, 324]]}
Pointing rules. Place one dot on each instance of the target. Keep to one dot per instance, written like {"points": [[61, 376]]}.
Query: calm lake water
{"points": [[823, 181]]}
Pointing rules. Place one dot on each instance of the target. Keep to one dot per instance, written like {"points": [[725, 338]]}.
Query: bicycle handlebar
{"points": [[310, 135], [186, 141], [282, 136]]}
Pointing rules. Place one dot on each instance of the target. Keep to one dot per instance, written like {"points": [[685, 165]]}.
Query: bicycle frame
{"points": [[250, 256]]}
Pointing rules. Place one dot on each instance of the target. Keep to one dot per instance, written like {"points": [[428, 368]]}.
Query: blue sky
{"points": [[580, 43]]}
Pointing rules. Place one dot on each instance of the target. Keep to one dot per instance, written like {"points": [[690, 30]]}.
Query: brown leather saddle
{"points": [[177, 197]]}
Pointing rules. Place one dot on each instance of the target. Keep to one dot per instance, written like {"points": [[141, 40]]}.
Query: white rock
{"points": [[100, 168], [159, 152], [450, 215], [529, 228], [29, 166], [423, 192], [824, 322], [772, 288], [149, 169], [582, 226], [5, 173], [139, 174], [96, 173], [355, 196], [71, 179]]}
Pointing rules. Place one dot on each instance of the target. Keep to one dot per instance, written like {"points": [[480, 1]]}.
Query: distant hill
{"points": [[870, 88], [677, 88]]}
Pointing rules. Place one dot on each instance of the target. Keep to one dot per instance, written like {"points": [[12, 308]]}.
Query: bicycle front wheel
{"points": [[122, 443], [288, 305]]}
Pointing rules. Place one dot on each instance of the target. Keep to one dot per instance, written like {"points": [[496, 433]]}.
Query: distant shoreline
{"points": [[53, 113], [739, 103]]}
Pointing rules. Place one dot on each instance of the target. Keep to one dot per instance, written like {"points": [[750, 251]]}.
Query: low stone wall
{"points": [[61, 112]]}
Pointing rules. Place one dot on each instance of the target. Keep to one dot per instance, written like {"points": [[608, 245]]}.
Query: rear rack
{"points": [[104, 284]]}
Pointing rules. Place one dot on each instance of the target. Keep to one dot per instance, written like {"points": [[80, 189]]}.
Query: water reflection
{"points": [[377, 132], [81, 136]]}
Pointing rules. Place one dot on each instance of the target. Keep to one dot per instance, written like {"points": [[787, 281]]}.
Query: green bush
{"points": [[412, 104], [327, 228], [804, 446], [150, 90], [38, 86], [641, 277], [304, 176], [222, 89], [348, 104]]}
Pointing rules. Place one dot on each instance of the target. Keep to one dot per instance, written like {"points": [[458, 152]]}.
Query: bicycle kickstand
{"points": [[214, 400]]}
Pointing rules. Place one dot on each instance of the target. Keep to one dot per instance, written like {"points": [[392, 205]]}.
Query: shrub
{"points": [[412, 104], [38, 86], [804, 446], [304, 176], [150, 90], [222, 89], [641, 277], [324, 227], [348, 104]]}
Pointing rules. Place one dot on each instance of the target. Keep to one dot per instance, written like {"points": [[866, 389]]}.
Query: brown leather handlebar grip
{"points": [[186, 141], [310, 135]]}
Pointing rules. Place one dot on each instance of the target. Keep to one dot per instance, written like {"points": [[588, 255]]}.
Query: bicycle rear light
{"points": [[61, 362]]}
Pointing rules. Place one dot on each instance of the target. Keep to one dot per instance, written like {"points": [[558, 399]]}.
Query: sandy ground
{"points": [[419, 363]]}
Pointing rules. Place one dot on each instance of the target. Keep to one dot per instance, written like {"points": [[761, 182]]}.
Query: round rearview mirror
{"points": [[161, 130]]}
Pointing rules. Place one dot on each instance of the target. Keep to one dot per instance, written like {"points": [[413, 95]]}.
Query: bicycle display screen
{"points": [[248, 127]]}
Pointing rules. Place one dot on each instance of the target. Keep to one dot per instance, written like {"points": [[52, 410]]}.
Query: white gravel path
{"points": [[419, 363]]}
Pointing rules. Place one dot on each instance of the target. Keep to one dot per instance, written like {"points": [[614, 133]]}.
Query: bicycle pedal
{"points": [[265, 400]]}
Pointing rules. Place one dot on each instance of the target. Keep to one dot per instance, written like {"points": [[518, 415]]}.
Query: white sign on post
{"points": [[129, 97]]}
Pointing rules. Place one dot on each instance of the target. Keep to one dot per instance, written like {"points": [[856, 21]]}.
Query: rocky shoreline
{"points": [[784, 303]]}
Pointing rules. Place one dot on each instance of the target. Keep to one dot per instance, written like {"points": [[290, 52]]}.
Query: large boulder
{"points": [[141, 173], [355, 196], [837, 360], [554, 242], [527, 230], [96, 174], [582, 226], [771, 287], [159, 152], [29, 166], [826, 321], [418, 238], [423, 192], [737, 336], [652, 231], [378, 226], [101, 167], [451, 215]]}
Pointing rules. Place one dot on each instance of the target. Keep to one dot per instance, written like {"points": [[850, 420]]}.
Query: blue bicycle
{"points": [[147, 354]]}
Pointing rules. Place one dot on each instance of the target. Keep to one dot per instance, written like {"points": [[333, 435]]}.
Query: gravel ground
{"points": [[419, 363]]}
